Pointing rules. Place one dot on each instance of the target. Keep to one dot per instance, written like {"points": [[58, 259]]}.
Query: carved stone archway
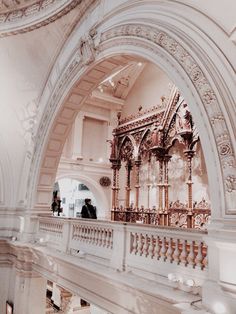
{"points": [[193, 76]]}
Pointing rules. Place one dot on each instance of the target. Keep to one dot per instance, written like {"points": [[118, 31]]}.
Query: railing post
{"points": [[66, 235], [118, 259]]}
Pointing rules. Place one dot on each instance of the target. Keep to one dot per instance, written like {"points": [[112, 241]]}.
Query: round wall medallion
{"points": [[105, 181]]}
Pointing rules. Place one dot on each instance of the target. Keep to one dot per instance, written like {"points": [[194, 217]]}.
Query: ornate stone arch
{"points": [[193, 75]]}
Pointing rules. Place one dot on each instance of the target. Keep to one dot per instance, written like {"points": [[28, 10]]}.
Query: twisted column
{"points": [[137, 185], [115, 184], [127, 188], [166, 160], [148, 184], [189, 154], [161, 185], [166, 182]]}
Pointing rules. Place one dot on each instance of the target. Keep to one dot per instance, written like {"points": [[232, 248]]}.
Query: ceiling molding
{"points": [[37, 14]]}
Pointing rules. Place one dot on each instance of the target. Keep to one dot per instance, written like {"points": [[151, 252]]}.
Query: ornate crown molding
{"points": [[35, 15]]}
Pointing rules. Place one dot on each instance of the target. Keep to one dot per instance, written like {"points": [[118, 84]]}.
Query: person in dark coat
{"points": [[88, 210]]}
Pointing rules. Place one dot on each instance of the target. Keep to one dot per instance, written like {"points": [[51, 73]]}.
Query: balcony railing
{"points": [[177, 215], [146, 250]]}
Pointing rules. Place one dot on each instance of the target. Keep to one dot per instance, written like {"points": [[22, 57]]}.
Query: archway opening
{"points": [[119, 94], [72, 194]]}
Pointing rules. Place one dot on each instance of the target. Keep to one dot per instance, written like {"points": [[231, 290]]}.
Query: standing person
{"points": [[88, 210]]}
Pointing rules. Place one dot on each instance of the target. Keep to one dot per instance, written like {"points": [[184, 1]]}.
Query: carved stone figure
{"points": [[87, 48], [113, 144], [157, 136], [183, 119]]}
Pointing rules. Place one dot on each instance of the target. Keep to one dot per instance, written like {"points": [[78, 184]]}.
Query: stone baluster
{"points": [[92, 235], [183, 255], [97, 236], [146, 245], [100, 237], [140, 244], [199, 257], [205, 261], [79, 232], [176, 255], [135, 243], [163, 249], [89, 234], [169, 252], [108, 239], [103, 237], [157, 248], [191, 255], [151, 247]]}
